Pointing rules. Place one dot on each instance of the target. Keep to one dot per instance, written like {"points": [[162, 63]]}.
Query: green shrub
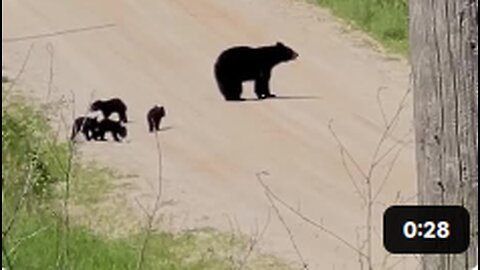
{"points": [[29, 150]]}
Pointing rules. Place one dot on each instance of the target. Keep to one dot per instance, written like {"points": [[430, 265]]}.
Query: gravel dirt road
{"points": [[162, 52]]}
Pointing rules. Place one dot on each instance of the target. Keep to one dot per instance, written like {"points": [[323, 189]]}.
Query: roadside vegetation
{"points": [[384, 20], [43, 180]]}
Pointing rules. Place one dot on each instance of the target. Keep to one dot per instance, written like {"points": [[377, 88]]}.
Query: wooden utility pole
{"points": [[444, 59]]}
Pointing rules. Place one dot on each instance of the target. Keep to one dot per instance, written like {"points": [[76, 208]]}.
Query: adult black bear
{"points": [[107, 107], [87, 125], [154, 116], [242, 63], [116, 128]]}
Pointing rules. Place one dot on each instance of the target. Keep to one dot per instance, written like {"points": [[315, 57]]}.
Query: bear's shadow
{"points": [[165, 128], [284, 98]]}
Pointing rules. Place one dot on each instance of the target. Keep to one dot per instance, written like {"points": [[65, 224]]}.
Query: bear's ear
{"points": [[280, 44]]}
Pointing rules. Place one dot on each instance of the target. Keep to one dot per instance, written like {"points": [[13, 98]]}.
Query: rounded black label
{"points": [[426, 229]]}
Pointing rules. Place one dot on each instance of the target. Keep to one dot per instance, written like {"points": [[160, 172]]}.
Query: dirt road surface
{"points": [[162, 52]]}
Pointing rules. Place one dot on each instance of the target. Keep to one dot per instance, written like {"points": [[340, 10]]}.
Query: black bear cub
{"points": [[91, 128], [116, 128], [239, 64], [87, 125], [107, 107], [154, 116]]}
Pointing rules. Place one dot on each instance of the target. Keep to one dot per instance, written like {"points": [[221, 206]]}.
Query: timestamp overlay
{"points": [[426, 229]]}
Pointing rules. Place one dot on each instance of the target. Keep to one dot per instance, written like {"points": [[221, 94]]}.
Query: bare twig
{"points": [[370, 196], [379, 101], [22, 69], [58, 33], [67, 171], [51, 52], [394, 264], [151, 216], [63, 258], [254, 241], [391, 148], [288, 230], [361, 245], [410, 198], [305, 218], [387, 175], [345, 150], [231, 240], [5, 254], [350, 176], [27, 237], [142, 207], [389, 127]]}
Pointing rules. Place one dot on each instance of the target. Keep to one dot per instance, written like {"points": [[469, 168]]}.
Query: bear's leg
{"points": [[115, 136], [74, 131], [233, 91], [100, 136], [262, 86], [87, 130], [123, 116], [150, 124], [87, 134], [267, 85], [95, 134], [106, 114], [230, 88], [84, 130], [222, 87], [77, 127]]}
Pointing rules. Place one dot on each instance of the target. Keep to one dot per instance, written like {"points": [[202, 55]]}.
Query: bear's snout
{"points": [[295, 55]]}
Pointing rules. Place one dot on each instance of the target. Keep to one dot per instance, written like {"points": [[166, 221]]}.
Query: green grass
{"points": [[34, 167], [199, 250], [90, 183], [86, 251], [384, 20]]}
